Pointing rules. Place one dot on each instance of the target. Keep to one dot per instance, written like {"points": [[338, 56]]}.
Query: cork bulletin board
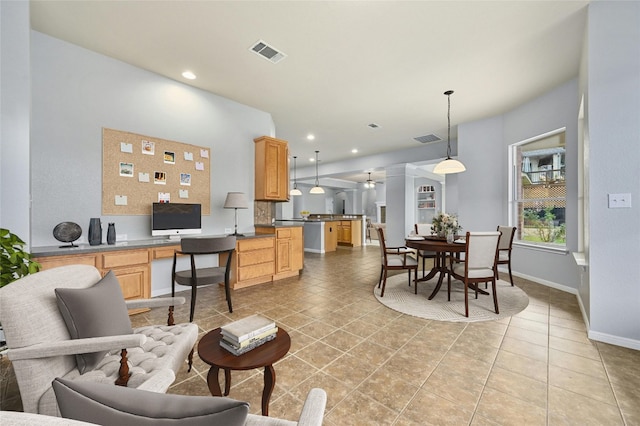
{"points": [[138, 170]]}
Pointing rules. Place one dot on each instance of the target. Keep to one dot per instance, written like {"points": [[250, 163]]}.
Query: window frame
{"points": [[513, 186]]}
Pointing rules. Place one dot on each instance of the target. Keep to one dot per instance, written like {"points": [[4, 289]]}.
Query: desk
{"points": [[212, 353], [441, 247]]}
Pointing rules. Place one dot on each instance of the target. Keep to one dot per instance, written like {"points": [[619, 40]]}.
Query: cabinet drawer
{"points": [[164, 252], [255, 244], [55, 261], [255, 257], [124, 258], [283, 233], [256, 271]]}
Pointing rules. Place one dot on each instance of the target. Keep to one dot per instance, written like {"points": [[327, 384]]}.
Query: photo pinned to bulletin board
{"points": [[182, 169]]}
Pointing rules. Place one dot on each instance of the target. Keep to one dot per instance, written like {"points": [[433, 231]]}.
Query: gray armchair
{"points": [[41, 347]]}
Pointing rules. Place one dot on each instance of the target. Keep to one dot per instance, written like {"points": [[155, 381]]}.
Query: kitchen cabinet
{"points": [[331, 235], [289, 249], [350, 233], [271, 169]]}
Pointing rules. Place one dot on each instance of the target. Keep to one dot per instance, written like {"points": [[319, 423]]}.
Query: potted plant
{"points": [[15, 261]]}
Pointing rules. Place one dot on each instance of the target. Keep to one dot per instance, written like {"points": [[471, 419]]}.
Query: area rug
{"points": [[400, 297]]}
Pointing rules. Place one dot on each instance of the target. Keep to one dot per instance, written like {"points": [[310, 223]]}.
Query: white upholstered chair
{"points": [[394, 259], [479, 266], [424, 230], [504, 247], [41, 347]]}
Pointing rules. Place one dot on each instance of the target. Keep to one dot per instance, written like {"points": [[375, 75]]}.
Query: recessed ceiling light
{"points": [[310, 137], [312, 159], [354, 151], [189, 75]]}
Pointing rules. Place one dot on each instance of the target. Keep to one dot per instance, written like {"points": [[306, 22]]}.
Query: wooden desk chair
{"points": [[196, 277], [423, 230], [394, 259], [504, 248], [479, 266]]}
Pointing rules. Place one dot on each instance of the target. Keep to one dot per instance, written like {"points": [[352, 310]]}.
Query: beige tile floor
{"points": [[381, 367]]}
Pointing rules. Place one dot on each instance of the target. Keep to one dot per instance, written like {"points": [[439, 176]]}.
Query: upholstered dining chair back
{"points": [[481, 250], [504, 247], [423, 229], [41, 347], [194, 277]]}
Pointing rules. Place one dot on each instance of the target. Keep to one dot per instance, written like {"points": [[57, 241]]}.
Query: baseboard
{"points": [[551, 284], [614, 340]]}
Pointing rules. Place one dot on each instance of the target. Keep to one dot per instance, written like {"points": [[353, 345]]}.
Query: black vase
{"points": [[111, 233], [95, 231]]}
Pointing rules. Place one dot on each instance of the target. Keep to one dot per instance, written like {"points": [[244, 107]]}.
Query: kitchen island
{"points": [[324, 232]]}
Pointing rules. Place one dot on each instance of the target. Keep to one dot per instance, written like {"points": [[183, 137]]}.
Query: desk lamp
{"points": [[236, 200]]}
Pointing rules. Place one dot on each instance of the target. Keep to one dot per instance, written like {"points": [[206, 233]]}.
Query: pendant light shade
{"points": [[317, 189], [295, 190], [449, 165]]}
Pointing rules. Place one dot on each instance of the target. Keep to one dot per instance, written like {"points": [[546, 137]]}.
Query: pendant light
{"points": [[295, 190], [317, 189], [369, 183], [449, 165]]}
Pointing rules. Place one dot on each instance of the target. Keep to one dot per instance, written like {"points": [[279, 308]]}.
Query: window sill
{"points": [[539, 247]]}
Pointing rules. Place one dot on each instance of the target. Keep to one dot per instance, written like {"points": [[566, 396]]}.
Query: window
{"points": [[538, 196]]}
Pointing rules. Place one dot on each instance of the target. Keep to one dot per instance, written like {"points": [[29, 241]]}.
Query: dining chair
{"points": [[423, 230], [195, 277], [479, 266], [394, 259], [504, 248]]}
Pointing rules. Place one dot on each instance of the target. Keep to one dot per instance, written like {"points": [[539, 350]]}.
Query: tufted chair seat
{"points": [[41, 349]]}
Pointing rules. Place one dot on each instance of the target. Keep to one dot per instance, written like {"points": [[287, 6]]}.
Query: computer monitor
{"points": [[175, 219]]}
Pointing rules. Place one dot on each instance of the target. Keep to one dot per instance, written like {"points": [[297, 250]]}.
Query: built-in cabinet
{"points": [[426, 203], [287, 251], [350, 233], [271, 169], [131, 267]]}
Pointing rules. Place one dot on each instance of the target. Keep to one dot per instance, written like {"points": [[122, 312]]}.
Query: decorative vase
{"points": [[111, 233], [95, 231], [450, 237]]}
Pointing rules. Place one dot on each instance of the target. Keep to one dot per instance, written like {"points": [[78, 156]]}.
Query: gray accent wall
{"points": [[76, 92], [484, 191]]}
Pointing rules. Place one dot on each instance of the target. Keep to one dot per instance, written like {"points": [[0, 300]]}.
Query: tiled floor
{"points": [[381, 367]]}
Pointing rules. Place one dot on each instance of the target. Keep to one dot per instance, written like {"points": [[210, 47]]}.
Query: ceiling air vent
{"points": [[428, 138], [373, 125], [267, 52]]}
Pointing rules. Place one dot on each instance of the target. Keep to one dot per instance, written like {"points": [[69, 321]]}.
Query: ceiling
{"points": [[348, 63]]}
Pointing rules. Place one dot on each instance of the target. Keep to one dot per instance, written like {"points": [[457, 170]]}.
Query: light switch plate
{"points": [[620, 201]]}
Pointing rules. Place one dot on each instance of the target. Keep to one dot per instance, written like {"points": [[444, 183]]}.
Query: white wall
{"points": [[76, 92], [483, 188], [614, 151], [14, 118]]}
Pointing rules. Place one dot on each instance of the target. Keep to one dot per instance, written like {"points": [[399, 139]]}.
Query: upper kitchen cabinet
{"points": [[272, 169]]}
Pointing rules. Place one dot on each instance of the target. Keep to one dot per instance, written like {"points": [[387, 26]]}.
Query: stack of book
{"points": [[241, 336]]}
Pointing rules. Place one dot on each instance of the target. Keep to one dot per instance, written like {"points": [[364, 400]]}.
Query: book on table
{"points": [[246, 328], [254, 344], [251, 340]]}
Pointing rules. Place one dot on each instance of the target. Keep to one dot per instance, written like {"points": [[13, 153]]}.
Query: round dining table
{"points": [[442, 248]]}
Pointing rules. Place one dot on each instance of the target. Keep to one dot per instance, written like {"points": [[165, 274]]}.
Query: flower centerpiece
{"points": [[445, 222]]}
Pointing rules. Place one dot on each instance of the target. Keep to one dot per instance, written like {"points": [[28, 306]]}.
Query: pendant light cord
{"points": [[317, 181], [448, 93]]}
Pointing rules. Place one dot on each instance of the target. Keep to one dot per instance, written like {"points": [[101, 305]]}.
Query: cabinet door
{"points": [[297, 249], [133, 281], [271, 169], [283, 260]]}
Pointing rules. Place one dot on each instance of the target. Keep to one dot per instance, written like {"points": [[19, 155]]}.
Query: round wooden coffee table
{"points": [[217, 357]]}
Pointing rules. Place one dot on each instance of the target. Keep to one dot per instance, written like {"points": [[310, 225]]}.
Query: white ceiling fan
{"points": [[370, 183]]}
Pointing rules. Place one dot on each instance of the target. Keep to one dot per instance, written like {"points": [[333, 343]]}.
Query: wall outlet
{"points": [[620, 201], [121, 237], [228, 230]]}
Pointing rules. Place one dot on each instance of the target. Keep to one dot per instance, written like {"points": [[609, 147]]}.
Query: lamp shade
{"points": [[449, 166], [236, 200], [295, 191], [316, 190]]}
